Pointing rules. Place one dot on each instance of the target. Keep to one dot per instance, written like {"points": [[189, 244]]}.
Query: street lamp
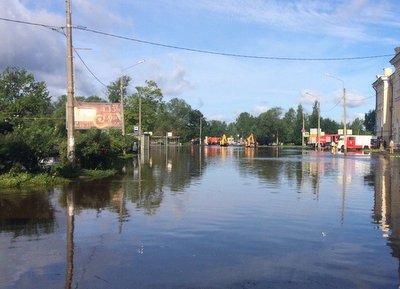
{"points": [[344, 110], [122, 94], [319, 122]]}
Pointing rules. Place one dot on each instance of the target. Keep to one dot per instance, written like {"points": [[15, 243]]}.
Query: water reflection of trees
{"points": [[172, 168], [300, 169], [386, 213], [27, 213]]}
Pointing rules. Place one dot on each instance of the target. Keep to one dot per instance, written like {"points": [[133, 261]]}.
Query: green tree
{"points": [[369, 121], [27, 126], [357, 126], [269, 126], [215, 128], [329, 126], [289, 126], [92, 98], [299, 124], [21, 97], [114, 89], [245, 124], [151, 106], [313, 118]]}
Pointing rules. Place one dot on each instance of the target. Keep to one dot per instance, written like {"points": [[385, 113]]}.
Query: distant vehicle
{"points": [[325, 140], [355, 142], [224, 141], [250, 141], [374, 143], [211, 140]]}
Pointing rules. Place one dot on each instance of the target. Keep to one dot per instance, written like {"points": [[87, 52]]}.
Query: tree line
{"points": [[33, 128]]}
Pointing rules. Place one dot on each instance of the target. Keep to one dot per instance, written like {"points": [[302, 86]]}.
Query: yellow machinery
{"points": [[250, 142], [224, 141]]}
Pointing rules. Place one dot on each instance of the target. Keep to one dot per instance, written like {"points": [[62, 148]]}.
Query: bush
{"points": [[94, 150]]}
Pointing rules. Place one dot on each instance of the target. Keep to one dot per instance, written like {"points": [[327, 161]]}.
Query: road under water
{"points": [[211, 218]]}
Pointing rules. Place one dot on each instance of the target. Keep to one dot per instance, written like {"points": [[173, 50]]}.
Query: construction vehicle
{"points": [[250, 142], [224, 141]]}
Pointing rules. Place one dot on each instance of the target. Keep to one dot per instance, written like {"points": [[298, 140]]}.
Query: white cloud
{"points": [[258, 109], [174, 82], [218, 117], [308, 97], [354, 99], [40, 51], [347, 19]]}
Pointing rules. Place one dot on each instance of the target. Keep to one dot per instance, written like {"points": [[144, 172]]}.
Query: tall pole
{"points": [[70, 93], [344, 111], [302, 133], [200, 142], [122, 105], [140, 121], [319, 127], [344, 119]]}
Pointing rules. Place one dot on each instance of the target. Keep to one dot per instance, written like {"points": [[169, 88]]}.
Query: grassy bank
{"points": [[47, 180], [27, 180]]}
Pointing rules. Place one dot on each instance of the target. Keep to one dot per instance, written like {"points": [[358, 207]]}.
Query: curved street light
{"points": [[344, 110]]}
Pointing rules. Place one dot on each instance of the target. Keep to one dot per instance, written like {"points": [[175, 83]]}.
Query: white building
{"points": [[387, 105]]}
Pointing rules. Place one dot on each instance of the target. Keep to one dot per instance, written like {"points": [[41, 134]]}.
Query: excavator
{"points": [[224, 141], [250, 142]]}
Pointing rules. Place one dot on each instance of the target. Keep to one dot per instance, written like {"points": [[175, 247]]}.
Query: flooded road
{"points": [[216, 218]]}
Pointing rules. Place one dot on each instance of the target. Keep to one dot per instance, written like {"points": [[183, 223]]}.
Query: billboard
{"points": [[97, 115]]}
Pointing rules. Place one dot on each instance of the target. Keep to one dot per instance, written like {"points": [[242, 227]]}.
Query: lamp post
{"points": [[319, 122], [122, 94], [344, 110]]}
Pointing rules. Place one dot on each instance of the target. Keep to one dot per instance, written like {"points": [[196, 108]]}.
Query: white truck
{"points": [[355, 142]]}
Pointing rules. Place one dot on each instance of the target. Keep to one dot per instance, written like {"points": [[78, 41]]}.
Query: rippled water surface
{"points": [[211, 218]]}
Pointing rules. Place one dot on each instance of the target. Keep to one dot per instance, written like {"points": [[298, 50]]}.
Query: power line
{"points": [[361, 99], [337, 103], [83, 62], [56, 28], [198, 50], [227, 54], [88, 69]]}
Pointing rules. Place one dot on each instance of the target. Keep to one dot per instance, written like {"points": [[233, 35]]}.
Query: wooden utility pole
{"points": [[70, 94], [122, 105], [200, 142], [344, 120], [302, 133], [319, 127]]}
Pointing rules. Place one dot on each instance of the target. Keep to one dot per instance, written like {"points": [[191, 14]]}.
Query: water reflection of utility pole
{"points": [[70, 239], [344, 186], [200, 152], [140, 177], [318, 178], [122, 208]]}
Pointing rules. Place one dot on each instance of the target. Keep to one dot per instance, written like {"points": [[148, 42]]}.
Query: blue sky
{"points": [[219, 86]]}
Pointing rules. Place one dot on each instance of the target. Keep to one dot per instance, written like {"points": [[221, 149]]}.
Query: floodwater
{"points": [[216, 218]]}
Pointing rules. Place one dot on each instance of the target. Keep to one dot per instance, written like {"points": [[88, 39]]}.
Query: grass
{"points": [[28, 180], [62, 175], [97, 174]]}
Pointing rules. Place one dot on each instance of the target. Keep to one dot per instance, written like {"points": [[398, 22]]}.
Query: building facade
{"points": [[387, 104]]}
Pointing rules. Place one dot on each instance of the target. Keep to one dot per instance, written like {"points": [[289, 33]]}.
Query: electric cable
{"points": [[82, 28]]}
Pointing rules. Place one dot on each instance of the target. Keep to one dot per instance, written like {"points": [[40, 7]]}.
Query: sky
{"points": [[220, 86]]}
